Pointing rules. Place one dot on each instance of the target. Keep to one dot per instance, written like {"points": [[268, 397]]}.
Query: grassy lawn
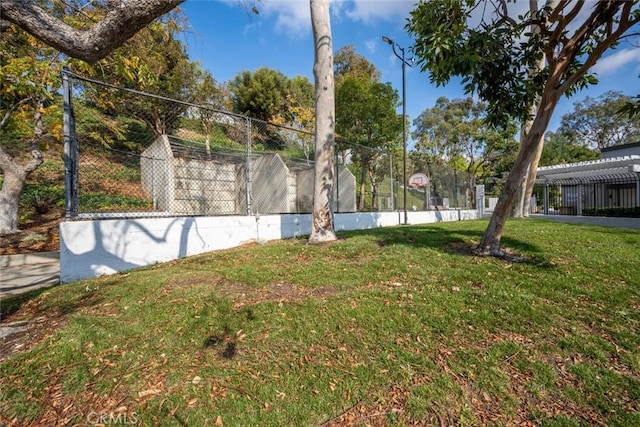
{"points": [[396, 326]]}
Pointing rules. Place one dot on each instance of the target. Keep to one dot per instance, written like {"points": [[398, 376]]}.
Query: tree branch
{"points": [[34, 163], [10, 111], [503, 12], [555, 13], [564, 20], [122, 20], [594, 21]]}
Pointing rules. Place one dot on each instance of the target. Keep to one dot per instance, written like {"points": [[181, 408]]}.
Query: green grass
{"points": [[394, 326]]}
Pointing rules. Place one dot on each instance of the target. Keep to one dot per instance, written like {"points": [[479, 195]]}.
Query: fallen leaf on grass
{"points": [[149, 392]]}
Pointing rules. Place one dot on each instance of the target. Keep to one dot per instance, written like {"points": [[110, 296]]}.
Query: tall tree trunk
{"points": [[322, 224], [530, 178], [518, 204], [490, 243], [374, 187], [363, 181], [522, 207], [15, 177]]}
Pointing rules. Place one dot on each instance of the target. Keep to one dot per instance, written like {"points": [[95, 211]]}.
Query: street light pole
{"points": [[395, 45]]}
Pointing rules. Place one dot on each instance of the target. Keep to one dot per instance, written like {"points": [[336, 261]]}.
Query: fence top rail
{"points": [[69, 73]]}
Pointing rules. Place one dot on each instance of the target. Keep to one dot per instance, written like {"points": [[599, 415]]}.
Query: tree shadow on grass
{"points": [[13, 303], [458, 242]]}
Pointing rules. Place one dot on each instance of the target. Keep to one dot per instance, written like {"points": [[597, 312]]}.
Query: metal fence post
{"points": [[337, 182], [479, 200], [546, 199], [393, 201], [70, 151], [248, 164]]}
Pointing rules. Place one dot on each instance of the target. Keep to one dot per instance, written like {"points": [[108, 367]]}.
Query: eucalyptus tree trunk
{"points": [[15, 175], [322, 224], [490, 243], [522, 206]]}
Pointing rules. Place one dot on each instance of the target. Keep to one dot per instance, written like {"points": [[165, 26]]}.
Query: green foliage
{"points": [[455, 133], [366, 112], [270, 96], [366, 115], [627, 212], [495, 57], [42, 198], [29, 82], [261, 94], [101, 202], [155, 61], [631, 108], [558, 149], [596, 122], [348, 63], [486, 58]]}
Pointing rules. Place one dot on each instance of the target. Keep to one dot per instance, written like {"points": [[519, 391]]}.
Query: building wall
{"points": [[621, 151], [156, 170], [269, 185], [96, 247], [344, 192], [206, 188]]}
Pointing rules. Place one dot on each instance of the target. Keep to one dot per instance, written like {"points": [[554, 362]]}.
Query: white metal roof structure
{"points": [[618, 168]]}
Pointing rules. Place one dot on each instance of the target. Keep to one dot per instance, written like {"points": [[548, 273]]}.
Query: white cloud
{"points": [[372, 45], [293, 17], [615, 61], [368, 11]]}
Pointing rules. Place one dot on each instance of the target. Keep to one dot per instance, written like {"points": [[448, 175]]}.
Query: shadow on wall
{"points": [[108, 246], [95, 247]]}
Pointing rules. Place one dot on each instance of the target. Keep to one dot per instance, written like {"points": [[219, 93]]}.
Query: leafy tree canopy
{"points": [[494, 56], [348, 62], [269, 95], [595, 122], [558, 149], [455, 132]]}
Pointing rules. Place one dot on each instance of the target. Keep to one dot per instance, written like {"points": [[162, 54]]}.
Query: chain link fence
{"points": [[131, 154]]}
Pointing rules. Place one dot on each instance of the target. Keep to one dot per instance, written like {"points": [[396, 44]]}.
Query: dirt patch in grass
{"points": [[19, 336], [242, 294]]}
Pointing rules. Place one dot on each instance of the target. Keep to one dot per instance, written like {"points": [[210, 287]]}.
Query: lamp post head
{"points": [[387, 40]]}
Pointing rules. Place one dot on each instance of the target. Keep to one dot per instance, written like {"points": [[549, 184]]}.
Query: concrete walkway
{"points": [[22, 273]]}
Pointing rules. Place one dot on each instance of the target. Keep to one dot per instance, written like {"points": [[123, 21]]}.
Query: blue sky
{"points": [[227, 39]]}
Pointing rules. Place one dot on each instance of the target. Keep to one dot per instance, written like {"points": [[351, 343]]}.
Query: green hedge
{"points": [[630, 212]]}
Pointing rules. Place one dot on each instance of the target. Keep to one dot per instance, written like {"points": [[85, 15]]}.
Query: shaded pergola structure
{"points": [[572, 189]]}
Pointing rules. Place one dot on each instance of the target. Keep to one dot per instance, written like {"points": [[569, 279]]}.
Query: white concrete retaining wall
{"points": [[92, 248]]}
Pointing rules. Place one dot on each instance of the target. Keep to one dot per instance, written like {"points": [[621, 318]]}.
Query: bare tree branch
{"points": [[601, 14], [123, 19], [564, 20], [503, 12], [10, 111]]}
